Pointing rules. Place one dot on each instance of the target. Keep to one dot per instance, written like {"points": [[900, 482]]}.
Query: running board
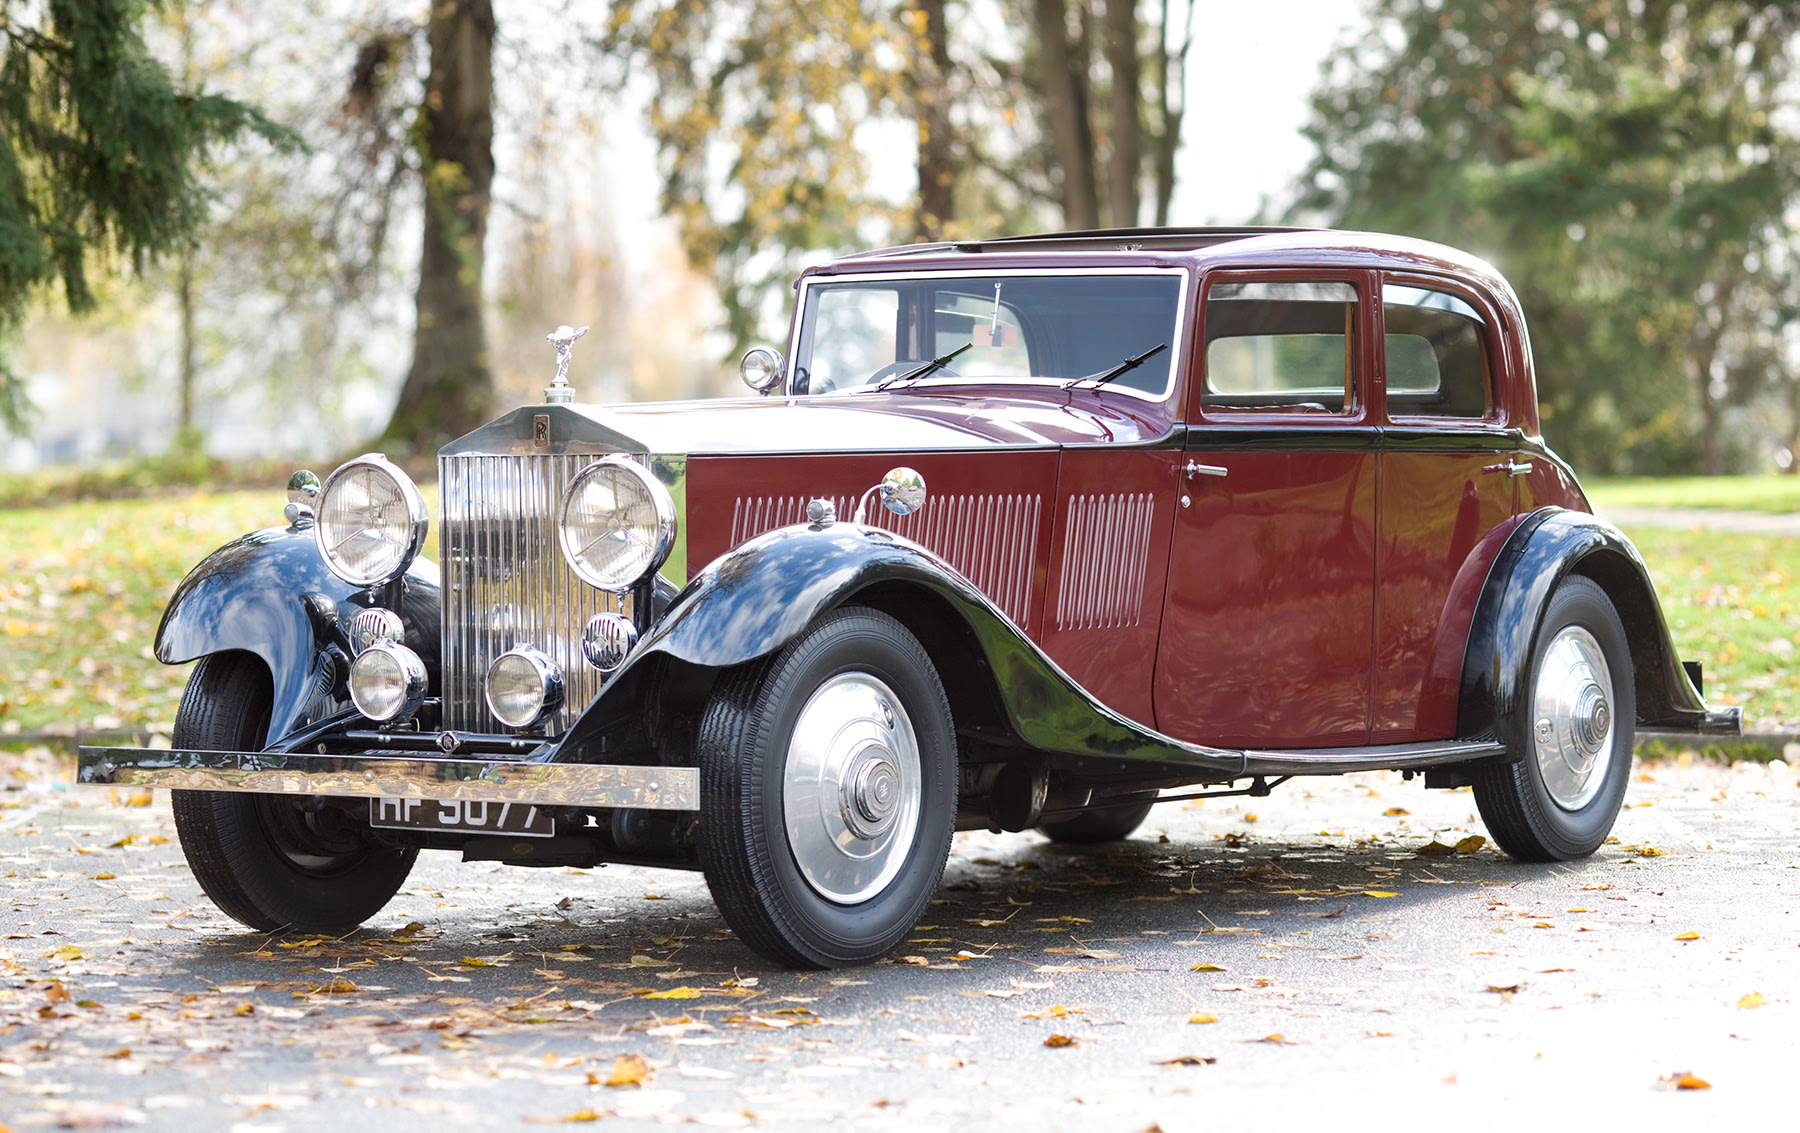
{"points": [[1373, 757], [385, 777]]}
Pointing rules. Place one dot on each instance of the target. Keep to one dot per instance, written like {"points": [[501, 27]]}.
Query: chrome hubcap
{"points": [[850, 789], [1572, 730]]}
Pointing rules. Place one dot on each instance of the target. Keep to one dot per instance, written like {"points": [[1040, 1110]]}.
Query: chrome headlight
{"points": [[523, 687], [618, 524], [371, 521]]}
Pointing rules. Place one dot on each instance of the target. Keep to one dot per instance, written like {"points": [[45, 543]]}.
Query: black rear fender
{"points": [[1548, 546]]}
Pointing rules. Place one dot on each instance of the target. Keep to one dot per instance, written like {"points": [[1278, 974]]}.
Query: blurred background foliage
{"points": [[373, 168], [1631, 166]]}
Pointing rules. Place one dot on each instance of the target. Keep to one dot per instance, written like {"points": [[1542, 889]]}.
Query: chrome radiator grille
{"points": [[505, 581]]}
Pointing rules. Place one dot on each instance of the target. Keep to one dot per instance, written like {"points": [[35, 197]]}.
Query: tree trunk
{"points": [[1171, 73], [1125, 161], [931, 98], [448, 391], [1066, 105], [1700, 357], [184, 298]]}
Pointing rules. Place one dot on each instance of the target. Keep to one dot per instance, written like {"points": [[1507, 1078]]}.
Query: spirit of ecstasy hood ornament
{"points": [[559, 392]]}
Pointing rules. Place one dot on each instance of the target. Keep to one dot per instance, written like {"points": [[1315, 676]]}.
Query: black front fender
{"points": [[1546, 548], [756, 599], [269, 593]]}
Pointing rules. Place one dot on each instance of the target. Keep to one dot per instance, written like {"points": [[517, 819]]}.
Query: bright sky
{"points": [[1250, 74]]}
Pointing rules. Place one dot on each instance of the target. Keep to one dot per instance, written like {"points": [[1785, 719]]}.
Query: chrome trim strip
{"points": [[380, 776], [1106, 555]]}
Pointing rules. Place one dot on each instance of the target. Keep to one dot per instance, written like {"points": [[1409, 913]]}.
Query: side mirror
{"points": [[762, 368], [903, 491], [303, 491]]}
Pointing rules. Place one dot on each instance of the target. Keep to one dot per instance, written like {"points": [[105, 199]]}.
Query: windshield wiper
{"points": [[924, 369], [1126, 366]]}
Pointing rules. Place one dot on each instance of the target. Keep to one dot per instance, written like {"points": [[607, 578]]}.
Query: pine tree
{"points": [[102, 156]]}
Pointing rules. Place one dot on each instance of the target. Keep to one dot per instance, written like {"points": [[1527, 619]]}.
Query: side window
{"points": [[1436, 365], [1281, 346]]}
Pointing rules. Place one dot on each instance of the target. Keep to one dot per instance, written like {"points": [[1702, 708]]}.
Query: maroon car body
{"points": [[1201, 508]]}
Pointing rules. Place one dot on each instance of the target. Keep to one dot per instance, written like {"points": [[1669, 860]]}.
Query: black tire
{"points": [[1534, 805], [864, 664], [267, 860], [1099, 824]]}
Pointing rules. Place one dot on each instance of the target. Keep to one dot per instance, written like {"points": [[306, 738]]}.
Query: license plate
{"points": [[519, 820]]}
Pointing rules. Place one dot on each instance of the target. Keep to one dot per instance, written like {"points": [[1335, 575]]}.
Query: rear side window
{"points": [[1436, 364], [1282, 346]]}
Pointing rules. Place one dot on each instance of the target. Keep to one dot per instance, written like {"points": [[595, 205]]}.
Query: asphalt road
{"points": [[1355, 979]]}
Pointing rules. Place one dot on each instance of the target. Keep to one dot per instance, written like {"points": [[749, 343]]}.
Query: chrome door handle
{"points": [[1194, 468], [1511, 468]]}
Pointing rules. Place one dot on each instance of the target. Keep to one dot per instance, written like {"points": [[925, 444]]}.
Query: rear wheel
{"points": [[1098, 824], [828, 792], [272, 862], [1559, 796]]}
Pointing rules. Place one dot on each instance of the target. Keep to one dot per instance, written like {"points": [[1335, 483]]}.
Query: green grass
{"points": [[1733, 603], [1731, 493], [82, 587]]}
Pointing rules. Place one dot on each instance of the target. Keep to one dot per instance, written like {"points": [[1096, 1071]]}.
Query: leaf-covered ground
{"points": [[1347, 953], [1733, 604], [82, 589]]}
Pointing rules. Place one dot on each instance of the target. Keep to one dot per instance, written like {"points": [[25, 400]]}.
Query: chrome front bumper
{"points": [[383, 777]]}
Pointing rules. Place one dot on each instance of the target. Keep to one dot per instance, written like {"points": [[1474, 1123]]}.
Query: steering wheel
{"points": [[907, 365]]}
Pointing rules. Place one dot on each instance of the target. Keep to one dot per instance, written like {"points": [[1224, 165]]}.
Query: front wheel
{"points": [[272, 862], [828, 792], [1558, 797]]}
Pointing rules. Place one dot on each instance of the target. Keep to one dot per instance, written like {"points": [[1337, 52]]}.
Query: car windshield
{"points": [[862, 333]]}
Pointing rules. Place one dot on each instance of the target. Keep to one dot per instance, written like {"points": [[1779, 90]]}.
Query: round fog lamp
{"points": [[387, 682], [523, 687]]}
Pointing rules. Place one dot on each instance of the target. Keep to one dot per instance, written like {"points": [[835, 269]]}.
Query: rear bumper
{"points": [[1722, 722], [377, 776]]}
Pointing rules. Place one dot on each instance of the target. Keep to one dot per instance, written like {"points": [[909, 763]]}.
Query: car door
{"points": [[1268, 620], [1448, 470]]}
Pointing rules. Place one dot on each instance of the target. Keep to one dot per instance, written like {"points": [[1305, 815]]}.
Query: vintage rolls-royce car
{"points": [[1023, 533]]}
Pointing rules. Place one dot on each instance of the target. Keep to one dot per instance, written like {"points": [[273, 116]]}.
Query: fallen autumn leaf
{"points": [[628, 1070], [1686, 1080]]}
